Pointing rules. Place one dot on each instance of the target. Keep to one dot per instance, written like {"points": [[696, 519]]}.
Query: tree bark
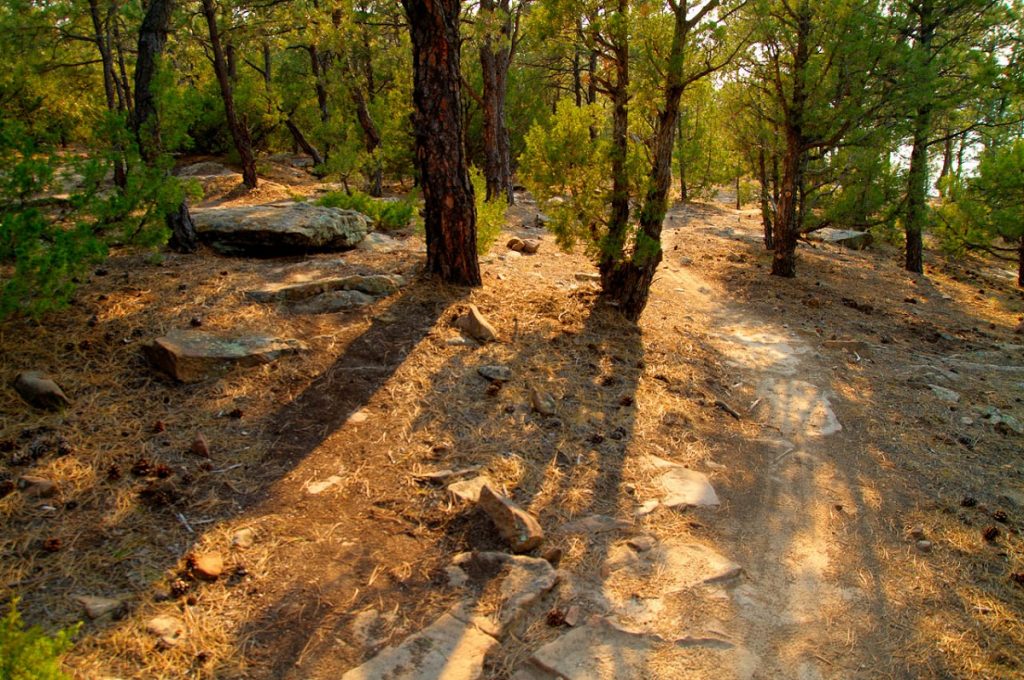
{"points": [[494, 61], [795, 160], [152, 39], [917, 176], [1020, 263], [613, 246], [103, 44], [239, 131], [449, 211], [766, 212], [302, 142]]}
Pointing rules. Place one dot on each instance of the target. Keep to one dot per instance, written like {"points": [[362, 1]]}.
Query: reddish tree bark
{"points": [[449, 213]]}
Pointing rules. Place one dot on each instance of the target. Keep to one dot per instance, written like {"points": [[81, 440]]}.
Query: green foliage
{"points": [[385, 214], [29, 653], [567, 173], [490, 215]]}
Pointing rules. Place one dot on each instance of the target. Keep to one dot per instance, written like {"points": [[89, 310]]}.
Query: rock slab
{"points": [[522, 532], [284, 228], [192, 356], [374, 284], [449, 648]]}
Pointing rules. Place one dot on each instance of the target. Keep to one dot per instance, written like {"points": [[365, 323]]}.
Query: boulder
{"points": [[40, 390], [854, 240], [522, 532], [280, 228], [191, 356]]}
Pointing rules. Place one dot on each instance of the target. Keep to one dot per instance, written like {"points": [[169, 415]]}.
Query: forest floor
{"points": [[867, 524]]}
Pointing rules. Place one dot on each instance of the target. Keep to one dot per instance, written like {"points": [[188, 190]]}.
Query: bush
{"points": [[29, 653], [385, 215], [490, 215]]}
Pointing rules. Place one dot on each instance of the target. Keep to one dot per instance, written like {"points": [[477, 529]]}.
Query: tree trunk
{"points": [[494, 63], [917, 192], [1020, 263], [109, 85], [613, 247], [766, 213], [371, 137], [632, 278], [684, 191], [302, 142], [947, 164], [239, 131], [152, 39], [787, 221], [738, 203], [917, 176], [449, 211]]}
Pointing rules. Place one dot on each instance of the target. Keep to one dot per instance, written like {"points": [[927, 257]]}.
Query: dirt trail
{"points": [[779, 527]]}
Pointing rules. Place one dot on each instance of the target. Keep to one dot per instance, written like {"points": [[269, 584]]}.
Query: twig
{"points": [[184, 522], [728, 409]]}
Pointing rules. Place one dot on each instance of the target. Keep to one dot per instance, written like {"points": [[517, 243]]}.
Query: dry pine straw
{"points": [[557, 340]]}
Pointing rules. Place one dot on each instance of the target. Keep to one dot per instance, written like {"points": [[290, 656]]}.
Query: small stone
{"points": [[553, 556], [917, 533], [573, 616], [469, 489], [37, 487], [517, 244], [498, 374], [542, 402], [945, 394], [641, 543], [40, 390], [317, 488], [587, 276], [208, 566], [476, 325], [358, 417], [98, 607], [520, 529], [168, 629], [647, 507], [243, 538], [924, 546], [531, 246], [200, 447]]}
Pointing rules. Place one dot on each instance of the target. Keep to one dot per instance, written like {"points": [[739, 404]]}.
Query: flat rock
{"points": [[587, 276], [855, 240], [98, 607], [40, 390], [476, 325], [375, 284], [469, 489], [168, 629], [520, 529], [681, 486], [280, 228], [680, 564], [204, 169], [376, 242], [208, 566], [945, 394], [496, 373], [449, 648], [799, 407], [595, 524], [191, 356], [317, 488], [337, 301], [596, 650], [524, 580]]}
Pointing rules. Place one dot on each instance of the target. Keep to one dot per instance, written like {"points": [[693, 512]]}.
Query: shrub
{"points": [[29, 653], [386, 215], [490, 215]]}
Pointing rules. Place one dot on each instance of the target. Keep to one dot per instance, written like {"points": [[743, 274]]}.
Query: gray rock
{"points": [[524, 580], [243, 539], [449, 648], [855, 240], [681, 564], [945, 394], [98, 607], [280, 228], [40, 390], [191, 356], [469, 489], [205, 169], [642, 543], [596, 650], [476, 325], [169, 630], [496, 373], [376, 242], [338, 301], [377, 284], [542, 402], [519, 529], [587, 276], [683, 487]]}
